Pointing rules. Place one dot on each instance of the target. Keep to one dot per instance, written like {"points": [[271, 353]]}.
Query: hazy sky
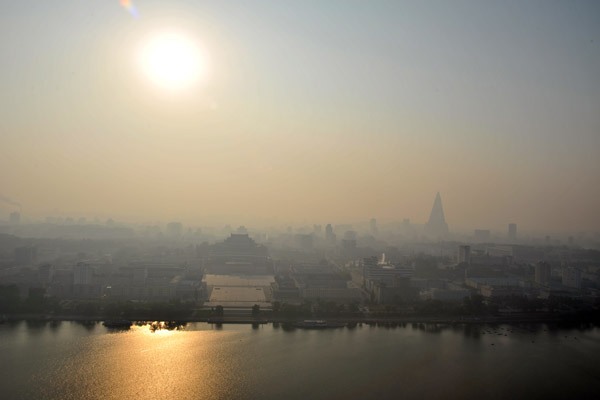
{"points": [[317, 111]]}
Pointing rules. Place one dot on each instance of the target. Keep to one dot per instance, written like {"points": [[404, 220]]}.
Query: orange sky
{"points": [[310, 113]]}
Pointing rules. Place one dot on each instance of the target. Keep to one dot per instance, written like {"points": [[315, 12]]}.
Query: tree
{"points": [[219, 311], [35, 301], [255, 310], [276, 307], [352, 307], [473, 304], [9, 298]]}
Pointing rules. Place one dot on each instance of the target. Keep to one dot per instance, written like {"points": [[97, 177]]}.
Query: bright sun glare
{"points": [[173, 61]]}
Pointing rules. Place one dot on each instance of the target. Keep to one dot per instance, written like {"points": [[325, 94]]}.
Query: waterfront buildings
{"points": [[239, 254], [386, 274], [450, 292]]}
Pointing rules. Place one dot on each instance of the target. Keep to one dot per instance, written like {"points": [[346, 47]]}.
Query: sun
{"points": [[173, 61]]}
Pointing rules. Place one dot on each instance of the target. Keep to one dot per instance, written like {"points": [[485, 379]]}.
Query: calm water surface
{"points": [[68, 360]]}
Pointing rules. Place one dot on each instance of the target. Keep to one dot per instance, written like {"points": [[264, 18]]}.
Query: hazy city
{"points": [[303, 200]]}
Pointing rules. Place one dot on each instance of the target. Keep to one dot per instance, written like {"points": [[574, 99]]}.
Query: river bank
{"points": [[533, 318]]}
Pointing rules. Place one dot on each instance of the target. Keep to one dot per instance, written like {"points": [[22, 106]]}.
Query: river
{"points": [[70, 360]]}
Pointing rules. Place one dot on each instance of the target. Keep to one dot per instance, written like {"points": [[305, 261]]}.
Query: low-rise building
{"points": [[338, 295], [490, 291], [477, 283], [400, 291], [375, 273], [448, 294]]}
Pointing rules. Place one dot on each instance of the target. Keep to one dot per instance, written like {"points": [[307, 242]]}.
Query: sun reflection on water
{"points": [[163, 327], [163, 357]]}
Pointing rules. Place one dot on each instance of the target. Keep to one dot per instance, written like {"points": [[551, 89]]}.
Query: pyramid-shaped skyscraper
{"points": [[437, 226]]}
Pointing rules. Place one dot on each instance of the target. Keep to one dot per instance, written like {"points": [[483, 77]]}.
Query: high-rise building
{"points": [[437, 226], [45, 273], [349, 241], [512, 231], [83, 274], [542, 273], [464, 255], [348, 244], [350, 235]]}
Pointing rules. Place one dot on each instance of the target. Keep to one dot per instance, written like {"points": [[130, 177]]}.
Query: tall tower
{"points": [[437, 226]]}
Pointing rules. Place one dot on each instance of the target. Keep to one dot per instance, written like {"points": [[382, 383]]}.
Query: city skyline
{"points": [[436, 226], [303, 111]]}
